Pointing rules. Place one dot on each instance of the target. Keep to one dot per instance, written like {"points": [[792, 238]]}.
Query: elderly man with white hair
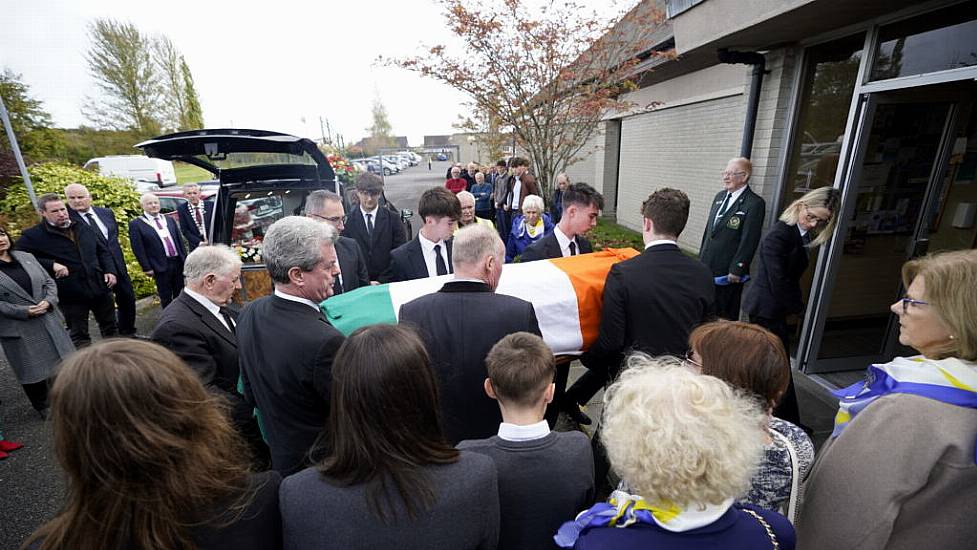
{"points": [[286, 344], [158, 246], [461, 322]]}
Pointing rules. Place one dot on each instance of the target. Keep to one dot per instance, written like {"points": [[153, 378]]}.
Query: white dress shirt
{"points": [[427, 249], [732, 199], [98, 222], [211, 306], [658, 242], [298, 299], [515, 432], [163, 234], [516, 191], [373, 217], [565, 242]]}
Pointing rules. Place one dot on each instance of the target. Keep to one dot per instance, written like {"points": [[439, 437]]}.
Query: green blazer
{"points": [[729, 245]]}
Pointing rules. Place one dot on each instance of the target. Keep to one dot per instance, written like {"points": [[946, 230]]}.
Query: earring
{"points": [[952, 337]]}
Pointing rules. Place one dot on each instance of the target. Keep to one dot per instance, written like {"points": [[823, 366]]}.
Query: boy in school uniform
{"points": [[545, 477]]}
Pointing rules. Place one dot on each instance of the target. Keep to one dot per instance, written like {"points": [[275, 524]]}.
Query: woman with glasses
{"points": [[783, 258], [899, 469]]}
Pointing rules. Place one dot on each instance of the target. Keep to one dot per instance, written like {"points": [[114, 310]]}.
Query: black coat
{"points": [[107, 217], [388, 234], [407, 261], [352, 264], [549, 247], [188, 226], [728, 247], [459, 325], [192, 332], [147, 247], [776, 289], [86, 257], [651, 303], [286, 350]]}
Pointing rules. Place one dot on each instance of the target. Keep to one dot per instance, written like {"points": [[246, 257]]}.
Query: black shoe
{"points": [[44, 413], [577, 415]]}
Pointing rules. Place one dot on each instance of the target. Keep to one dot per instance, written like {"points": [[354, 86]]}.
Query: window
{"points": [[937, 41]]}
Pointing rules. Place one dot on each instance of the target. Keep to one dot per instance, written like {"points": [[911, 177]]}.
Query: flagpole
{"points": [[16, 149]]}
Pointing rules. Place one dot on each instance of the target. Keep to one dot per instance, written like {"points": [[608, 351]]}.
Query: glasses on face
{"points": [[811, 218], [690, 359], [333, 219], [906, 301], [726, 174]]}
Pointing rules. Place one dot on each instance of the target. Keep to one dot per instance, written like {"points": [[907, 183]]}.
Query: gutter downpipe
{"points": [[759, 63]]}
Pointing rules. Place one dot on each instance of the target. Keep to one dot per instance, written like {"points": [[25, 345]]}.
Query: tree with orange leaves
{"points": [[558, 70]]}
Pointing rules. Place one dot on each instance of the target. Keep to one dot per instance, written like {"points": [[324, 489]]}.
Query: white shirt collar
{"points": [[515, 432], [565, 241], [735, 195], [695, 516], [298, 299], [371, 212], [658, 242], [211, 306], [89, 211], [801, 230]]}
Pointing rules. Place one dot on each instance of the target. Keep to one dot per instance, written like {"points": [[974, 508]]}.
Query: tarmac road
{"points": [[32, 484]]}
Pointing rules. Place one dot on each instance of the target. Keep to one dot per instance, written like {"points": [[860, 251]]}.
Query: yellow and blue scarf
{"points": [[951, 381]]}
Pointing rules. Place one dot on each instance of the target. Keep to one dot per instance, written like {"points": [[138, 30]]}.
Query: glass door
{"points": [[890, 198]]}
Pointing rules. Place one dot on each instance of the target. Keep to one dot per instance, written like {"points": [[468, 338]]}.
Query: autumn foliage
{"points": [[548, 74]]}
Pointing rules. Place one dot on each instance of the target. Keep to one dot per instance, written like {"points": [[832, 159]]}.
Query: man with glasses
{"points": [[327, 207], [731, 236], [375, 229]]}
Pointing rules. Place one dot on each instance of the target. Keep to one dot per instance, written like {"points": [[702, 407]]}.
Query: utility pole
{"points": [[16, 149], [322, 131]]}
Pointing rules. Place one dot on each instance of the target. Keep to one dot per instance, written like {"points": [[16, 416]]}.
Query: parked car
{"points": [[263, 176], [441, 157], [146, 174]]}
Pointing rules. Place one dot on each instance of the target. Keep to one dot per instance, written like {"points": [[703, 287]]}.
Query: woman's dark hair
{"points": [[745, 355], [384, 419], [149, 453], [3, 229]]}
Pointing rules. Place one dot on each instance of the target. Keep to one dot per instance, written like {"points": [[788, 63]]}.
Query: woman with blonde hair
{"points": [[775, 292], [530, 226], [151, 458], [899, 469], [686, 445]]}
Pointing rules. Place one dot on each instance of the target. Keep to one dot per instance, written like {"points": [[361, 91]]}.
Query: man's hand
{"points": [[39, 309], [734, 278], [109, 280], [374, 283], [149, 273], [60, 270]]}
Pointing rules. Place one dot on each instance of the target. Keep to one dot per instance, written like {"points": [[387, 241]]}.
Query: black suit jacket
{"points": [[651, 303], [192, 332], [286, 350], [459, 325], [776, 289], [388, 234], [549, 247], [189, 226], [352, 264], [147, 247], [86, 257], [407, 262], [729, 246], [107, 217]]}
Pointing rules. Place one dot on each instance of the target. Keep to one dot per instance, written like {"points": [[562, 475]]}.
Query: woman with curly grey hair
{"points": [[687, 445]]}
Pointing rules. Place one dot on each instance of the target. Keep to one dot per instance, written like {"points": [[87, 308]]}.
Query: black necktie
{"points": [[439, 261], [227, 319], [806, 238], [337, 287], [722, 209], [573, 248], [93, 224], [369, 224]]}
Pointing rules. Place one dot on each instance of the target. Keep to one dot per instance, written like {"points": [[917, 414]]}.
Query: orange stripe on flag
{"points": [[587, 274]]}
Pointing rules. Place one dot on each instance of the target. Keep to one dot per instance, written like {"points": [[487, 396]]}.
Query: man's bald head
{"points": [[79, 199]]}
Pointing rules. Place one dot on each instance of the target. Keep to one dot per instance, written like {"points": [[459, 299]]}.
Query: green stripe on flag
{"points": [[364, 306]]}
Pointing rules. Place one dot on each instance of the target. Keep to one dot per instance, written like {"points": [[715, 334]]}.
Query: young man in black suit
{"points": [[650, 303], [374, 227], [194, 215], [327, 207], [81, 266], [103, 221], [459, 325], [159, 249], [581, 208], [285, 343], [732, 234], [429, 253], [199, 328]]}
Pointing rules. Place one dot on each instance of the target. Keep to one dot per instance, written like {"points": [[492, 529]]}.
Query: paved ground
{"points": [[32, 488]]}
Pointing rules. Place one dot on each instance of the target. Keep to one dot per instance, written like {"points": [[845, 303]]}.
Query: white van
{"points": [[147, 174]]}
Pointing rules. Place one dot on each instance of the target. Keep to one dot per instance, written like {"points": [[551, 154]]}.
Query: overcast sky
{"points": [[265, 65]]}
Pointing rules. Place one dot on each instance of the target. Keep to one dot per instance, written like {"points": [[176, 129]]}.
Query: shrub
{"points": [[113, 193]]}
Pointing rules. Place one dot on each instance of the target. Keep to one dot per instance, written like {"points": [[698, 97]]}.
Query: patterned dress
{"points": [[770, 487]]}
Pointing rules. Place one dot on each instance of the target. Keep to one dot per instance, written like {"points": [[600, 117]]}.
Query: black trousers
{"points": [[504, 220], [559, 393], [728, 301], [125, 303], [169, 283], [787, 409], [76, 317], [37, 394]]}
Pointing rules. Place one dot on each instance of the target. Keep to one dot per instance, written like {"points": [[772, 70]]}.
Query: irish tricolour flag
{"points": [[566, 293]]}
